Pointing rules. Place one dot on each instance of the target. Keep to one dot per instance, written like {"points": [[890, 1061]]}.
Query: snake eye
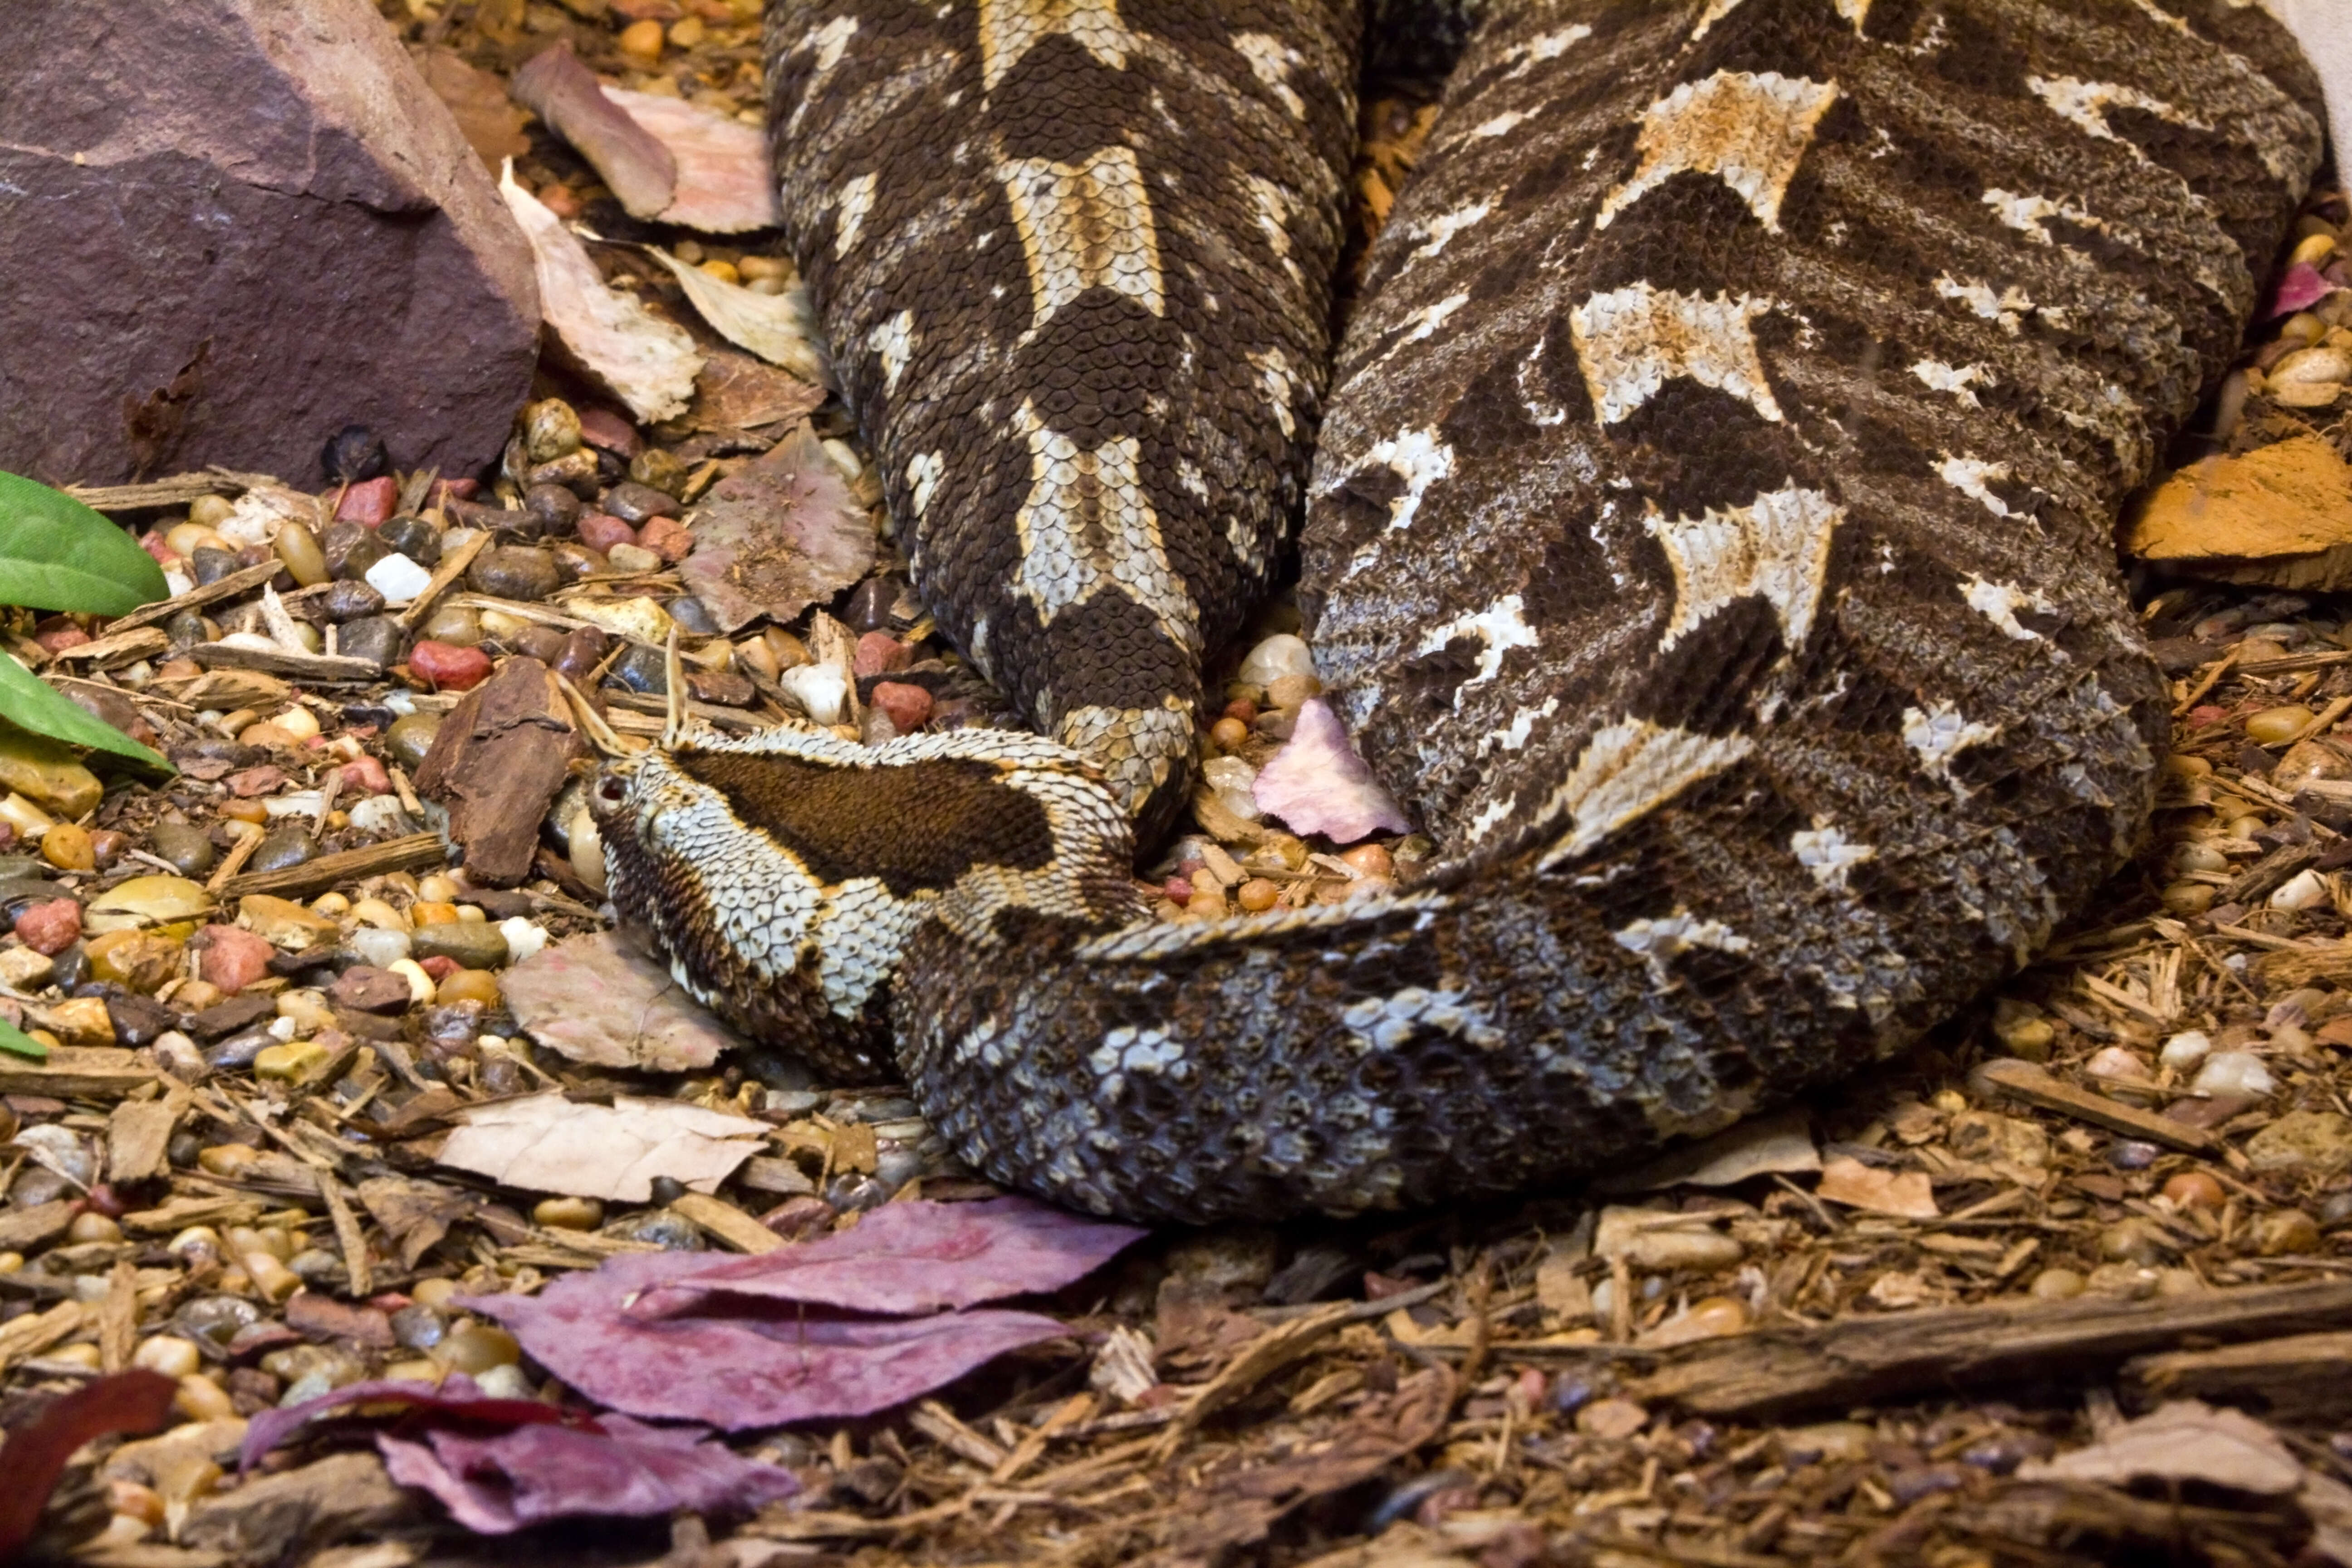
{"points": [[611, 790]]}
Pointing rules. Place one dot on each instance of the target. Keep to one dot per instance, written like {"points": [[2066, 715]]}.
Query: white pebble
{"points": [[177, 581], [2117, 1062], [381, 816], [2186, 1049], [281, 1028], [523, 939], [420, 985], [2234, 1072], [1229, 773], [381, 948], [1277, 657], [2305, 889], [398, 579], [820, 688]]}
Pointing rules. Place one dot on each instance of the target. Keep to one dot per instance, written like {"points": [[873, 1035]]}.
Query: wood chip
{"points": [[25, 1227], [415, 852], [1266, 1355], [76, 1072], [138, 1131], [2023, 1081], [1856, 1360], [314, 667], [723, 1222], [36, 1331], [452, 567], [119, 648], [2298, 1378], [228, 587]]}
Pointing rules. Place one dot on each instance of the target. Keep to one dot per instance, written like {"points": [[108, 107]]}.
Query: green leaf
{"points": [[29, 702], [57, 554], [15, 1040]]}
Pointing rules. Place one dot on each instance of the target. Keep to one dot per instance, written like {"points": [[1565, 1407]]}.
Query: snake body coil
{"points": [[1707, 538]]}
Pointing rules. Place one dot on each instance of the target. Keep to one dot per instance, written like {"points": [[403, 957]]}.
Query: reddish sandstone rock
{"points": [[449, 668], [601, 530], [291, 219], [370, 501], [50, 928], [907, 706], [879, 653], [232, 958]]}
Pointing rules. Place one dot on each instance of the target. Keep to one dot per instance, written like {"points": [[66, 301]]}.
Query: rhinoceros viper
{"points": [[1707, 535]]}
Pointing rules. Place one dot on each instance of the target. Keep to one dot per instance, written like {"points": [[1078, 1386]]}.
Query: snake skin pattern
{"points": [[1708, 538]]}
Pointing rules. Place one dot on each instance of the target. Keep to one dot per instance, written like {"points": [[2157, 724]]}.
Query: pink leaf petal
{"points": [[762, 1371], [456, 1397], [2301, 289], [496, 1485], [918, 1256], [1317, 783]]}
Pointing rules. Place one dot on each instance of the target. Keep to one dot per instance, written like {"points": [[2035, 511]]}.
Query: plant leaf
{"points": [[57, 554], [14, 1040], [32, 703]]}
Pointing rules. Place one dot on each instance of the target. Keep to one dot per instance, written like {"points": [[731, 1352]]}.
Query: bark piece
{"points": [[2296, 1379], [778, 535], [2280, 515], [496, 764], [292, 218]]}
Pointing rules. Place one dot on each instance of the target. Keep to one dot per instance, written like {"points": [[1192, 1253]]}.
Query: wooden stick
{"points": [[228, 587], [2023, 1081], [415, 852]]}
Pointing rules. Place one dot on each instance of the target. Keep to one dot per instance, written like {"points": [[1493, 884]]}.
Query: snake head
{"points": [[781, 875]]}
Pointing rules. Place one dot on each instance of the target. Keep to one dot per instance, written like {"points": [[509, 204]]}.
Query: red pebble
{"points": [[233, 958], [1179, 891], [56, 639], [1243, 709], [908, 708], [448, 669], [609, 432], [2206, 713], [439, 967], [50, 928], [370, 501], [367, 776], [878, 653], [152, 544], [600, 531], [667, 538]]}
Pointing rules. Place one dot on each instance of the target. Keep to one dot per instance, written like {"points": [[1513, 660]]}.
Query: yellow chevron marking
{"points": [[1011, 29], [1777, 545], [1087, 528], [1084, 225], [1747, 129]]}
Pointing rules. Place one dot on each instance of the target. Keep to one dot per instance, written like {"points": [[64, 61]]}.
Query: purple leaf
{"points": [[457, 1398], [496, 1485], [1317, 783], [2302, 288], [917, 1257], [742, 1370]]}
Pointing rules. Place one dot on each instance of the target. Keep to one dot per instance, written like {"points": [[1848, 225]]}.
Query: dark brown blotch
{"points": [[915, 827]]}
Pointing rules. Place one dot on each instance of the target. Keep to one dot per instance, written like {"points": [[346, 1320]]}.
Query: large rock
{"points": [[229, 227]]}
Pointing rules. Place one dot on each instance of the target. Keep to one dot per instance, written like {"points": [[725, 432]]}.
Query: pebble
{"points": [[349, 602], [209, 565], [398, 579], [569, 1214], [2186, 1049], [51, 927], [352, 550], [1290, 690], [452, 625], [907, 706], [2276, 726], [2305, 889], [576, 471], [420, 985], [290, 845], [410, 737], [602, 530], [233, 958], [290, 1062], [468, 986], [821, 691], [68, 848], [633, 502], [2234, 1072], [548, 509], [298, 548], [575, 562], [2119, 1062], [669, 539], [2132, 1155], [2302, 1141], [608, 431], [447, 668], [1229, 734], [583, 649], [378, 947], [644, 670], [369, 501], [631, 558], [2057, 1285], [1277, 657], [2194, 1190], [364, 988], [879, 653], [364, 775], [413, 537], [693, 615], [661, 470], [520, 571], [472, 943], [551, 429], [2285, 1231]]}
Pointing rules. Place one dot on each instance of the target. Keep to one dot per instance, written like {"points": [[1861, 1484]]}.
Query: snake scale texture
{"points": [[1707, 536]]}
